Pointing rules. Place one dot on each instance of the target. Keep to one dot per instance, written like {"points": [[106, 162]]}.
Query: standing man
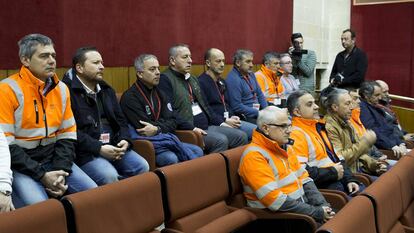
{"points": [[151, 115], [104, 145], [245, 96], [268, 78], [350, 65], [191, 110], [37, 119], [214, 91], [304, 62]]}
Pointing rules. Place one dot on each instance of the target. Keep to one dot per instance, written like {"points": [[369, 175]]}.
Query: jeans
{"points": [[221, 138], [27, 191], [168, 157], [103, 171], [248, 128]]}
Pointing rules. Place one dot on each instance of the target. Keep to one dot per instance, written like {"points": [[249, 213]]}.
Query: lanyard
{"points": [[221, 95], [250, 87], [151, 104], [190, 89]]}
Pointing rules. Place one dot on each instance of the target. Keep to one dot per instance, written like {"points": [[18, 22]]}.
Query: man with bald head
{"points": [[385, 104], [214, 91]]}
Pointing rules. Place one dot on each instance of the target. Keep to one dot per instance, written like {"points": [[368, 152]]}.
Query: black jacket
{"points": [[353, 68], [85, 110], [136, 108]]}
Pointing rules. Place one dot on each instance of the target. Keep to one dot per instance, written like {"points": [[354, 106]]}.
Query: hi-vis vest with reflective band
{"points": [[30, 119], [270, 89], [309, 145], [272, 179]]}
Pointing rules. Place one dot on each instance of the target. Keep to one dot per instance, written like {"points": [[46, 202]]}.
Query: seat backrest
{"points": [[130, 205], [44, 217], [232, 157], [404, 170], [385, 193], [195, 192], [357, 216]]}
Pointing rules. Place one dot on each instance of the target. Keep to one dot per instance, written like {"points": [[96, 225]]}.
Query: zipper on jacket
{"points": [[37, 111], [44, 113]]}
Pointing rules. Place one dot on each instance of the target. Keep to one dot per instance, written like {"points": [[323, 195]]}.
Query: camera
{"points": [[297, 51]]}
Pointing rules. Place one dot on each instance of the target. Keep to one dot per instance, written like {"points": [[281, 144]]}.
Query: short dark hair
{"points": [[367, 89], [293, 100], [79, 57], [240, 53], [353, 34], [333, 98], [270, 55], [295, 36]]}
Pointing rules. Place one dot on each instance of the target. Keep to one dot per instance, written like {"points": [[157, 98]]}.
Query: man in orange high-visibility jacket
{"points": [[313, 147], [268, 79], [271, 174], [37, 120]]}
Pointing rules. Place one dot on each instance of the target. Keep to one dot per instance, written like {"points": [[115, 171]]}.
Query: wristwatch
{"points": [[5, 193]]}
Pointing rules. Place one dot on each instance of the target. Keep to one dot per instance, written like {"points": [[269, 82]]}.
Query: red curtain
{"points": [[123, 29]]}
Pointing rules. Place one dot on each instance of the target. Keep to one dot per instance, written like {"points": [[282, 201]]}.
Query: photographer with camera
{"points": [[350, 65], [304, 62]]}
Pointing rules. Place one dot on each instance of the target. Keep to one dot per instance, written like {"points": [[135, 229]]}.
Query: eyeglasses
{"points": [[285, 63], [283, 126]]}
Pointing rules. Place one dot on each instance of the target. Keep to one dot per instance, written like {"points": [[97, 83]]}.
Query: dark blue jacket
{"points": [[85, 110], [240, 96], [374, 118]]}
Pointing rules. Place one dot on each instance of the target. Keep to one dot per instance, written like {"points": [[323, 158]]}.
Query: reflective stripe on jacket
{"points": [[269, 175], [29, 118]]}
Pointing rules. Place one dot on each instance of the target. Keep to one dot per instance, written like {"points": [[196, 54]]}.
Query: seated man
{"points": [[214, 91], [313, 147], [268, 78], [148, 111], [385, 103], [271, 174], [245, 97], [37, 119], [289, 82], [104, 147], [5, 175], [345, 141], [190, 108], [374, 118]]}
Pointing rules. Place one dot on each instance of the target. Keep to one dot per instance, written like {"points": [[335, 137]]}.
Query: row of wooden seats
{"points": [[387, 206], [201, 195]]}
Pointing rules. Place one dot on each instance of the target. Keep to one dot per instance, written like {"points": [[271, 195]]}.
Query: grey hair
{"points": [[333, 98], [240, 53], [139, 61], [366, 90], [173, 51], [293, 100], [284, 55], [269, 56], [29, 42], [269, 114]]}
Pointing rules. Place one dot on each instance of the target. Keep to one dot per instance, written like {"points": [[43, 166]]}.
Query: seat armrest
{"points": [[147, 151], [190, 136]]}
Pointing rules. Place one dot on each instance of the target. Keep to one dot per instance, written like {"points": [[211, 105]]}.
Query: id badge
{"points": [[105, 138], [196, 109], [226, 115], [277, 101], [256, 106]]}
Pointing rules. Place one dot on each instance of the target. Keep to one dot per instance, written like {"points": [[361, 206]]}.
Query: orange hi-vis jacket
{"points": [[269, 174], [29, 118], [309, 144], [356, 122], [270, 83]]}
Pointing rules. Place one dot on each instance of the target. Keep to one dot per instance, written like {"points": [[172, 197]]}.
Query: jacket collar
{"points": [[176, 73], [304, 123], [261, 140], [26, 75], [76, 84], [268, 72], [334, 117]]}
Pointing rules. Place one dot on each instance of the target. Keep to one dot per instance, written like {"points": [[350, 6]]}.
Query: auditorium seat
{"points": [[130, 205], [195, 193], [357, 216], [386, 197], [292, 221], [43, 217]]}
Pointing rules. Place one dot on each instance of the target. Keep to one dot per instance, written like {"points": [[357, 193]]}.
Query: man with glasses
{"points": [[271, 174], [289, 82], [315, 151]]}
